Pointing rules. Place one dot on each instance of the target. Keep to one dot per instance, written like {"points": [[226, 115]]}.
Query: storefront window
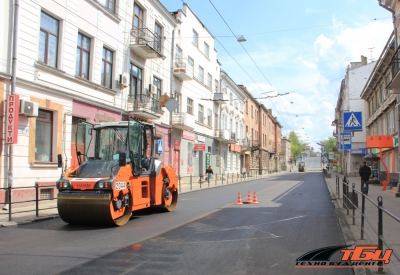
{"points": [[43, 136]]}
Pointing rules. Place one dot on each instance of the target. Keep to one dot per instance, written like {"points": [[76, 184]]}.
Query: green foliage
{"points": [[296, 145], [329, 145]]}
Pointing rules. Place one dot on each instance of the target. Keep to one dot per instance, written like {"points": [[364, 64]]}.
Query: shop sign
{"points": [[177, 144], [188, 135], [395, 141], [235, 148], [200, 147], [12, 116], [208, 159], [359, 151], [201, 138]]}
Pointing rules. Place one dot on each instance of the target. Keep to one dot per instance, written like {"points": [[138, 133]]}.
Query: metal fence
{"points": [[185, 184], [375, 220]]}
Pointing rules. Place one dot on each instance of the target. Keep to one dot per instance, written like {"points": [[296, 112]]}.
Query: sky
{"points": [[297, 48]]}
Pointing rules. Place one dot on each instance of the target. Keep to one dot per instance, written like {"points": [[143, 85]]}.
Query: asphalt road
{"points": [[207, 234]]}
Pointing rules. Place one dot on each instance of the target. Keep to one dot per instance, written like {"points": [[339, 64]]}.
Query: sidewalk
{"points": [[352, 233]]}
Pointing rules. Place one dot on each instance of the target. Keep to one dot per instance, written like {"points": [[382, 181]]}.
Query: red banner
{"points": [[177, 144], [235, 148], [188, 135], [12, 116], [200, 147]]}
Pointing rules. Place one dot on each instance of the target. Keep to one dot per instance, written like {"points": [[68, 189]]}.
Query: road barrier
{"points": [[378, 229]]}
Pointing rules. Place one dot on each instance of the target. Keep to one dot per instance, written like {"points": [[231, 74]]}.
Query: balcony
{"points": [[183, 121], [144, 107], [182, 69], [245, 144], [220, 98], [145, 43], [255, 143], [222, 135]]}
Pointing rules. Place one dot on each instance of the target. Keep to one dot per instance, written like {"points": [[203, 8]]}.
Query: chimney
{"points": [[364, 60], [270, 111]]}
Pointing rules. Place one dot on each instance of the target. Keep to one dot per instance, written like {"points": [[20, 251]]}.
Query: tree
{"points": [[329, 145], [296, 145]]}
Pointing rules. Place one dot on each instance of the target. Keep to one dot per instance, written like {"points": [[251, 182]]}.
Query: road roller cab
{"points": [[302, 166], [115, 173]]}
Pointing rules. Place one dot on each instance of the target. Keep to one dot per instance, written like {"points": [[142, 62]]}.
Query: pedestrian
{"points": [[209, 173], [365, 173], [244, 172]]}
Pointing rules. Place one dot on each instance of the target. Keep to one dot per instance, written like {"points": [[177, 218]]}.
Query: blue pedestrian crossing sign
{"points": [[159, 146], [352, 121]]}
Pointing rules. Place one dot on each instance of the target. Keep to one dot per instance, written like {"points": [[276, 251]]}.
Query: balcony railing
{"points": [[183, 121], [145, 43], [220, 98], [222, 135], [144, 106], [255, 143], [182, 69]]}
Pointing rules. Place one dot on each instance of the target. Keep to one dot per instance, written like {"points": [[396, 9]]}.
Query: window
{"points": [[190, 106], [109, 4], [216, 86], [48, 41], [209, 80], [82, 56], [206, 49], [387, 83], [201, 74], [44, 136], [200, 117], [190, 64], [137, 18], [209, 117], [195, 38], [135, 87], [383, 94], [178, 99], [157, 37], [157, 83], [106, 68], [231, 98]]}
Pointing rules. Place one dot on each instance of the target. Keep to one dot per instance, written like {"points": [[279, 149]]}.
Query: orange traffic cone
{"points": [[254, 198], [239, 199], [249, 197]]}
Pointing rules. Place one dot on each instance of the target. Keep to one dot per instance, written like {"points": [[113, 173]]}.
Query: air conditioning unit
{"points": [[152, 89], [123, 80], [28, 108]]}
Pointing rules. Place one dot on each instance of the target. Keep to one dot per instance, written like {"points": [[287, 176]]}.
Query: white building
{"points": [[80, 59], [196, 79], [349, 100], [231, 120]]}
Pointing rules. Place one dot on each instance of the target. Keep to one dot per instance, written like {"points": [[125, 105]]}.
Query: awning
{"points": [[371, 156]]}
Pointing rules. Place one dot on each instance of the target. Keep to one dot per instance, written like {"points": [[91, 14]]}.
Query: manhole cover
{"points": [[297, 194]]}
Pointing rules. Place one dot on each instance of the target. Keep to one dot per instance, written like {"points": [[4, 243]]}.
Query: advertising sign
{"points": [[345, 141], [12, 116], [200, 147]]}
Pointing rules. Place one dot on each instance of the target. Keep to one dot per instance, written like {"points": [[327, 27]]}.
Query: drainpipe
{"points": [[9, 147], [394, 21], [13, 84], [171, 150]]}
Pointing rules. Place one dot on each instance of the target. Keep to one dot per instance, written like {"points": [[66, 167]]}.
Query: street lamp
{"points": [[241, 39]]}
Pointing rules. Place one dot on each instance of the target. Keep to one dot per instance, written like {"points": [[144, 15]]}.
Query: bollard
{"points": [[353, 203], [179, 183], [9, 202], [222, 176], [37, 199], [380, 231], [216, 177], [190, 182], [232, 177], [362, 212]]}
